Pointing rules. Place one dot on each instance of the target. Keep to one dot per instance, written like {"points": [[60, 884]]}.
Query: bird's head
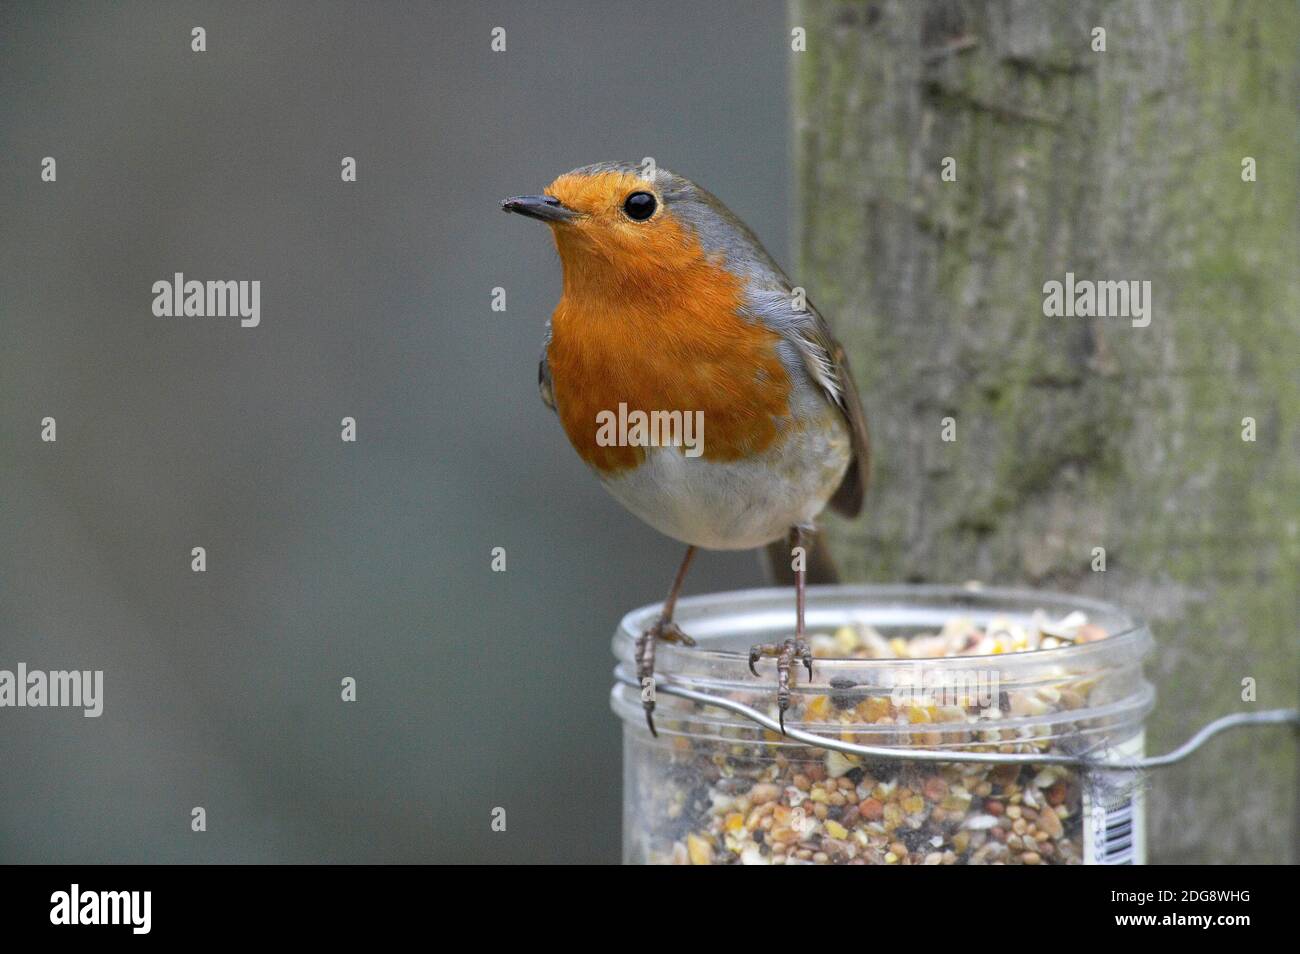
{"points": [[620, 221]]}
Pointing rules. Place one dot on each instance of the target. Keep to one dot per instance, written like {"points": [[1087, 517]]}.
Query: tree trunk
{"points": [[1074, 433]]}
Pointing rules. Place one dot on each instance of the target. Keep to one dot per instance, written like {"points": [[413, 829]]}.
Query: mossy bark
{"points": [[1075, 433]]}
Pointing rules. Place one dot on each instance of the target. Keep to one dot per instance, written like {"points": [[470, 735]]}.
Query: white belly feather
{"points": [[744, 504]]}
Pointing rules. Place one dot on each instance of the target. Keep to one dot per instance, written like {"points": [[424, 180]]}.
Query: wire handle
{"points": [[1268, 717]]}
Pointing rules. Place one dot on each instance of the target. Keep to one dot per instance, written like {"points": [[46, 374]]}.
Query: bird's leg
{"points": [[664, 628], [787, 651]]}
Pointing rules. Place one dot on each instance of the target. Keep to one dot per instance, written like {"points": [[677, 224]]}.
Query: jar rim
{"points": [[1132, 637], [1130, 710], [1117, 700]]}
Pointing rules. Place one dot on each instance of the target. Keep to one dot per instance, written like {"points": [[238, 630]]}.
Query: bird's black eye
{"points": [[639, 206]]}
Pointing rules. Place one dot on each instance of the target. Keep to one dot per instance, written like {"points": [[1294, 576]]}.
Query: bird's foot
{"points": [[786, 653], [669, 632]]}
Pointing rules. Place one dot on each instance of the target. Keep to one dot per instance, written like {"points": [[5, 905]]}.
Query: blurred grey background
{"points": [[327, 559]]}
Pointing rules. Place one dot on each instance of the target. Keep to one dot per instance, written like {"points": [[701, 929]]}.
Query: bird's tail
{"points": [[819, 563]]}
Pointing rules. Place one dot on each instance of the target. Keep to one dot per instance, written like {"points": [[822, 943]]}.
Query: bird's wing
{"points": [[823, 356], [828, 365], [847, 499], [544, 373]]}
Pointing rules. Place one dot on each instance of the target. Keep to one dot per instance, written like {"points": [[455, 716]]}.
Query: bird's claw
{"points": [[786, 653], [663, 630], [669, 632]]}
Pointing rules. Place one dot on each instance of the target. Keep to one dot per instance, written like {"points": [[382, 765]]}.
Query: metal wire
{"points": [[1279, 717]]}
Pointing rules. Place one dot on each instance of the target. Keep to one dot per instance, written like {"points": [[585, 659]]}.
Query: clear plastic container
{"points": [[716, 788]]}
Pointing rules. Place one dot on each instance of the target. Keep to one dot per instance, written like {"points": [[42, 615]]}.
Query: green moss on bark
{"points": [[1075, 433]]}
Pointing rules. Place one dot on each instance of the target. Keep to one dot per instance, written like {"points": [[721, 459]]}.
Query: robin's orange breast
{"points": [[680, 345]]}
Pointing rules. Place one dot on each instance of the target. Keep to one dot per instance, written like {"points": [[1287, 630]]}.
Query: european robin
{"points": [[709, 396]]}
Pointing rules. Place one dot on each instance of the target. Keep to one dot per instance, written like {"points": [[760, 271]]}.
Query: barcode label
{"points": [[1114, 835], [1114, 830]]}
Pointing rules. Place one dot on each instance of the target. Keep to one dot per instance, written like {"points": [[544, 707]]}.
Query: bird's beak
{"points": [[544, 207]]}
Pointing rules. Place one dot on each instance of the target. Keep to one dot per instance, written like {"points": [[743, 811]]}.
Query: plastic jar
{"points": [[717, 788]]}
